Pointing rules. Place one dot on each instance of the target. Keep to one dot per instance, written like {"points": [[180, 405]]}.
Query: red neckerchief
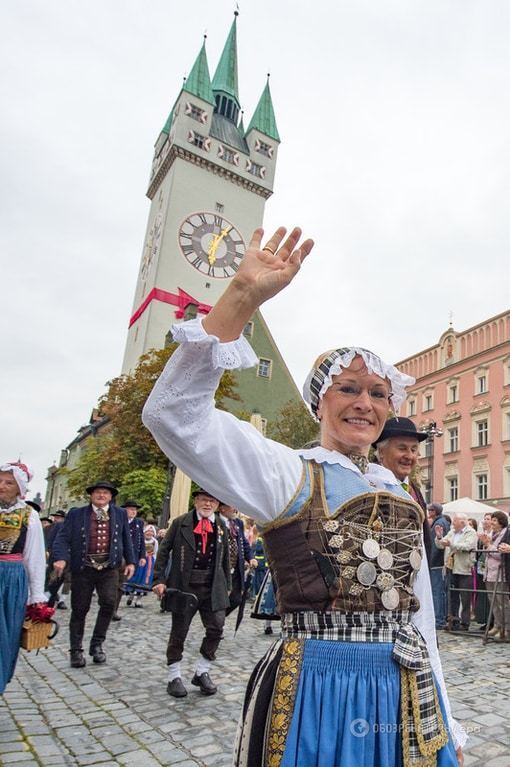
{"points": [[203, 527]]}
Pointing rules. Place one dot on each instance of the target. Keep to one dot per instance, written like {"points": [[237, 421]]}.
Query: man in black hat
{"points": [[200, 566], [136, 526], [397, 449], [93, 541]]}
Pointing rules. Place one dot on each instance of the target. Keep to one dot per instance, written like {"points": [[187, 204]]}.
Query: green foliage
{"points": [[147, 487], [124, 444], [294, 426]]}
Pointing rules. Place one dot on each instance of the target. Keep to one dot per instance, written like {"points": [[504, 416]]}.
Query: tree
{"points": [[147, 487], [294, 426], [124, 444]]}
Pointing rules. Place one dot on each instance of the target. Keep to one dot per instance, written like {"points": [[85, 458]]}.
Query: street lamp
{"points": [[432, 431]]}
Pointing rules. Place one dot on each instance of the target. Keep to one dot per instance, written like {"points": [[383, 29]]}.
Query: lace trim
{"points": [[229, 355]]}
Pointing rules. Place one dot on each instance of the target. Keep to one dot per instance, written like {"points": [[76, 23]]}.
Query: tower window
{"points": [[264, 149], [257, 170], [264, 368], [198, 140], [228, 155], [196, 113]]}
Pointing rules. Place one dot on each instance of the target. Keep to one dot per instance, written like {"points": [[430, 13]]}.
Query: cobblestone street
{"points": [[120, 713]]}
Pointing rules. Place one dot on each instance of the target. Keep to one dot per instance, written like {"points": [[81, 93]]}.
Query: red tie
{"points": [[203, 527]]}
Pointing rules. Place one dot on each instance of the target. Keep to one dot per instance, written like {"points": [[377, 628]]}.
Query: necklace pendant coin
{"points": [[415, 559], [366, 573], [370, 548], [385, 581], [385, 559], [390, 599]]}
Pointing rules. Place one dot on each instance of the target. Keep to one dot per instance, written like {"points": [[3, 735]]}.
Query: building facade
{"points": [[462, 397]]}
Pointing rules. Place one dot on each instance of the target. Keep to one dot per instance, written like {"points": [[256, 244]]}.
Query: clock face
{"points": [[211, 244]]}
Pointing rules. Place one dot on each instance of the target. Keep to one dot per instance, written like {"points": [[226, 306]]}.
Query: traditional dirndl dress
{"points": [[13, 589], [143, 574]]}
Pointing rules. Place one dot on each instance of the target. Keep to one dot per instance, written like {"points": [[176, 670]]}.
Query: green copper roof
{"points": [[240, 127], [225, 77], [168, 124], [199, 81], [263, 118]]}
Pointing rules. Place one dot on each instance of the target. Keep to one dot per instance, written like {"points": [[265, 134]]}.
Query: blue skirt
{"points": [[347, 709], [13, 600]]}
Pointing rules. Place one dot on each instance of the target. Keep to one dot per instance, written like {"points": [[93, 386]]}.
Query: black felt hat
{"points": [[201, 491], [105, 485], [131, 505], [58, 513], [400, 427], [34, 505]]}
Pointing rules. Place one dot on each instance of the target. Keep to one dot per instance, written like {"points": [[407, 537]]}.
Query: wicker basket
{"points": [[37, 635]]}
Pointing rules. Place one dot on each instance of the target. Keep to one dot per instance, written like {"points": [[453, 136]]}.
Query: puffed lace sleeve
{"points": [[424, 621], [222, 454], [34, 559]]}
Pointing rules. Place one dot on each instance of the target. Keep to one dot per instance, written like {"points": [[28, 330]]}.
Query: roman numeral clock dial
{"points": [[211, 244]]}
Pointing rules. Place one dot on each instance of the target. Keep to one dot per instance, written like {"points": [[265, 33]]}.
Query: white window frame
{"points": [[262, 366], [411, 407], [429, 394], [482, 381], [479, 486], [453, 488], [453, 439], [453, 385]]}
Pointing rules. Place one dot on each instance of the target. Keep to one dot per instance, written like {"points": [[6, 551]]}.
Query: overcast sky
{"points": [[395, 127]]}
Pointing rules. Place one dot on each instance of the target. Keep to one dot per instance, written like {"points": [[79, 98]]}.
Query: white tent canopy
{"points": [[470, 508]]}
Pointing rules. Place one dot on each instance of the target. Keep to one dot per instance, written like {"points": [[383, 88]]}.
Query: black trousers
{"points": [[212, 622], [464, 597], [83, 584], [236, 594]]}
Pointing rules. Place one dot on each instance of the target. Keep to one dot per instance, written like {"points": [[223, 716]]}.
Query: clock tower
{"points": [[208, 185]]}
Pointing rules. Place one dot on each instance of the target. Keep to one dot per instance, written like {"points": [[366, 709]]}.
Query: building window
{"points": [[453, 488], [219, 207], [411, 407], [506, 371], [264, 149], [482, 487], [482, 433], [453, 393], [428, 447], [256, 170], [453, 439], [228, 155], [264, 369], [248, 329], [196, 113], [427, 402], [198, 140], [482, 384], [507, 425]]}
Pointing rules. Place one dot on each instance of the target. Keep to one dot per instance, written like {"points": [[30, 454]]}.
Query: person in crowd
{"points": [[22, 563], [197, 543], [250, 530], [460, 544], [437, 568], [344, 546], [144, 574], [46, 523], [259, 556], [54, 584], [397, 449], [496, 575], [93, 542], [240, 554], [136, 527]]}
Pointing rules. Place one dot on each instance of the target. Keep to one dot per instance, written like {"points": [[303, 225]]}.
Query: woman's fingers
{"points": [[273, 244]]}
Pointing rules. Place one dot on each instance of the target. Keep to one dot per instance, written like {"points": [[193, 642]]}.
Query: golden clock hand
{"points": [[213, 247]]}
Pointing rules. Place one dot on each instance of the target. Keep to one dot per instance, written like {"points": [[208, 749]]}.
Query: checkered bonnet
{"points": [[332, 363]]}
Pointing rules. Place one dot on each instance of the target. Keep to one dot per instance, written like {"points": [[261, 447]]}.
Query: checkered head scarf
{"points": [[332, 363]]}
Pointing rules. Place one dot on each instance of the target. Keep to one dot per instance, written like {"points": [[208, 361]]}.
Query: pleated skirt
{"points": [[346, 711], [13, 600]]}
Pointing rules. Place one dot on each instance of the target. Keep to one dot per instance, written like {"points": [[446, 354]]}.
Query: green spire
{"points": [[167, 125], [225, 77], [199, 81], [263, 118], [240, 127]]}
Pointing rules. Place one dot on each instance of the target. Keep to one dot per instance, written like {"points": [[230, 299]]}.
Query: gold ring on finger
{"points": [[269, 250]]}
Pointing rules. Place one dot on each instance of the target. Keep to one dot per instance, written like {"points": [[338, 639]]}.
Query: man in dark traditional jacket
{"points": [[239, 551], [93, 541], [197, 543]]}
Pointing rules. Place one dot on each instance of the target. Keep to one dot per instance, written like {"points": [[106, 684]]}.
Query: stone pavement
{"points": [[120, 714]]}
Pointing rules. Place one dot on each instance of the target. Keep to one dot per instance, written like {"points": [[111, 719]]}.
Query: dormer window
{"points": [[262, 148]]}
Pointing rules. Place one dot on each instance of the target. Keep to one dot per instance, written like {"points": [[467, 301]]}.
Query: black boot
{"points": [[176, 689], [96, 650], [77, 659]]}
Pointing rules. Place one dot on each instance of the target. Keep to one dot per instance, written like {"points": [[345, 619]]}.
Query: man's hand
{"points": [[59, 566], [129, 571], [438, 531], [504, 548], [159, 589], [141, 562], [254, 563]]}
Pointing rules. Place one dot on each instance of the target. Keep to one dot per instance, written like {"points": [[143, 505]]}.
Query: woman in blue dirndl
{"points": [[356, 678], [22, 563]]}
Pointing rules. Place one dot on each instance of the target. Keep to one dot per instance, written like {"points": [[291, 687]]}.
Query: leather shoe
{"points": [[176, 688], [204, 682], [98, 655], [116, 617], [77, 659]]}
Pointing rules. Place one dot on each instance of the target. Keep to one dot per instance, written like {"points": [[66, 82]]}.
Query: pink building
{"points": [[463, 387]]}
